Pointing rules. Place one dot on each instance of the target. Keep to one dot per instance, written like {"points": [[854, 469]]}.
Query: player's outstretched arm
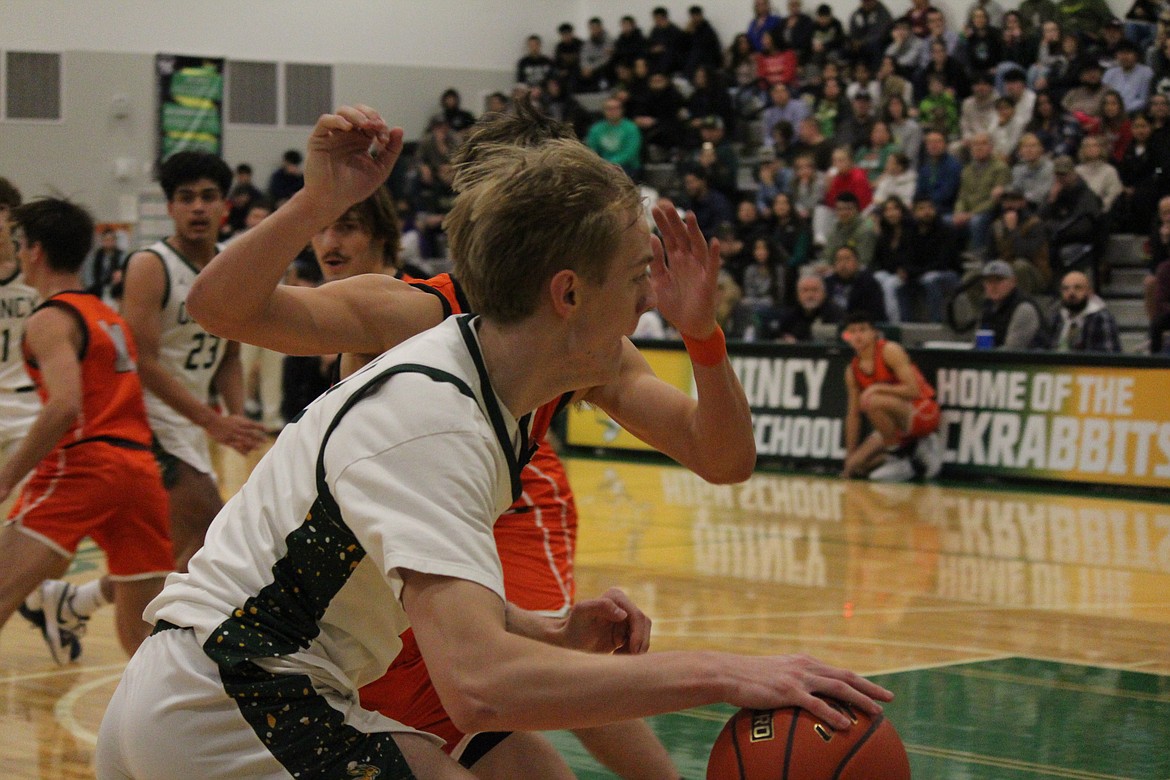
{"points": [[54, 339], [239, 295], [711, 435], [492, 680]]}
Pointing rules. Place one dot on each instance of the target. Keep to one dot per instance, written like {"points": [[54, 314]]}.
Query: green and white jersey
{"points": [[19, 402], [403, 466], [187, 352]]}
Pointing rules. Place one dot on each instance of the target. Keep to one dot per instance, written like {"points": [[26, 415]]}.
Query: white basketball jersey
{"points": [[185, 349], [17, 301]]}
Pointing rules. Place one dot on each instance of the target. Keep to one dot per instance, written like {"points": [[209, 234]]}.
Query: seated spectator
{"points": [[562, 106], [1048, 52], [1157, 250], [796, 32], [891, 256], [829, 40], [792, 239], [1015, 89], [860, 80], [665, 44], [937, 32], [763, 279], [1014, 319], [916, 17], [852, 287], [1019, 50], [933, 265], [534, 68], [939, 174], [854, 130], [1005, 136], [617, 139], [1098, 173], [1132, 79], [628, 46], [1114, 126], [1134, 209], [596, 53], [495, 103], [808, 196], [436, 146], [982, 47], [736, 248], [831, 107], [872, 155], [717, 157], [712, 208], [1032, 175], [982, 180], [890, 83], [241, 197], [457, 118], [435, 199], [905, 129], [1071, 216], [784, 108], [764, 20], [1019, 238], [1059, 132], [869, 31], [775, 64], [813, 307], [977, 113], [905, 47], [851, 230], [938, 109], [946, 68], [286, 180], [709, 98], [657, 113], [748, 101], [811, 142], [847, 178], [703, 48], [1084, 101], [1080, 322], [897, 180]]}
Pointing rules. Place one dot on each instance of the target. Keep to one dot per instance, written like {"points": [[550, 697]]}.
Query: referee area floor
{"points": [[1025, 634]]}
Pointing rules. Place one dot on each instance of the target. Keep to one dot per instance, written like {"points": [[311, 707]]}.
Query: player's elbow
{"points": [[734, 466], [209, 310], [471, 706]]}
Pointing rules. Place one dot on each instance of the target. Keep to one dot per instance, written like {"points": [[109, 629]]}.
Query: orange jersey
{"points": [[112, 408], [883, 374]]}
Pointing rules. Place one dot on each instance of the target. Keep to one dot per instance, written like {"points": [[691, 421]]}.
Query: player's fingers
{"points": [[822, 711], [843, 691]]}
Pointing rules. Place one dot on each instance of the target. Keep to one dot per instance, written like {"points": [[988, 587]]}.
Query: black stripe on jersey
{"points": [[442, 298], [57, 303], [321, 554], [464, 304], [12, 277], [516, 462], [166, 274]]}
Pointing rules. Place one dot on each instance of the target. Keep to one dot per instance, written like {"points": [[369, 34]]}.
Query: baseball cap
{"points": [[999, 268]]}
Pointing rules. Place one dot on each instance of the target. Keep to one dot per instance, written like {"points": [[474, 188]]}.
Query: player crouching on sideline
{"points": [[90, 445], [361, 522], [885, 385]]}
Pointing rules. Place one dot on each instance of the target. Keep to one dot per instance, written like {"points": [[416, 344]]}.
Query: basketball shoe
{"points": [[60, 626]]}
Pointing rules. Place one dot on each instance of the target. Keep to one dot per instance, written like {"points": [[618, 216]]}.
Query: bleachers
{"points": [[1124, 255]]}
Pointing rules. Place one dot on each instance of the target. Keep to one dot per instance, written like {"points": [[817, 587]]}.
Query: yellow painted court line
{"points": [[1010, 763]]}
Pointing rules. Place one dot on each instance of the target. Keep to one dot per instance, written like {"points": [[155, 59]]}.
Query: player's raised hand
{"points": [[684, 272], [350, 155]]}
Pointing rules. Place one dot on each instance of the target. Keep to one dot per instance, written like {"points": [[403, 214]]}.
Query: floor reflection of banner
{"points": [[1038, 416], [190, 104]]}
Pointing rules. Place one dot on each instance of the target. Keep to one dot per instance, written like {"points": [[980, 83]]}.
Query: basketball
{"points": [[790, 744]]}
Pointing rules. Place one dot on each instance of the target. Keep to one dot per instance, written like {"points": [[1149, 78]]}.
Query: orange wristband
{"points": [[709, 351]]}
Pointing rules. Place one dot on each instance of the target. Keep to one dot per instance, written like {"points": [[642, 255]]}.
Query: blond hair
{"points": [[523, 214]]}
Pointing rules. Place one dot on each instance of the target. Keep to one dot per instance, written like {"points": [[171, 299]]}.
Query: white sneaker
{"points": [[893, 470], [62, 624], [929, 454]]}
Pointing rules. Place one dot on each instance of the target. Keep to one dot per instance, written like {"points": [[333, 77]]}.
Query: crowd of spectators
{"points": [[924, 144]]}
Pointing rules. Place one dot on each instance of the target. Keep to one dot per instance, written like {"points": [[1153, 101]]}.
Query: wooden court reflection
{"points": [[881, 578]]}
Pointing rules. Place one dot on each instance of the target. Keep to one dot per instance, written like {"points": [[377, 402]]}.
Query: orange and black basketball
{"points": [[790, 744]]}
